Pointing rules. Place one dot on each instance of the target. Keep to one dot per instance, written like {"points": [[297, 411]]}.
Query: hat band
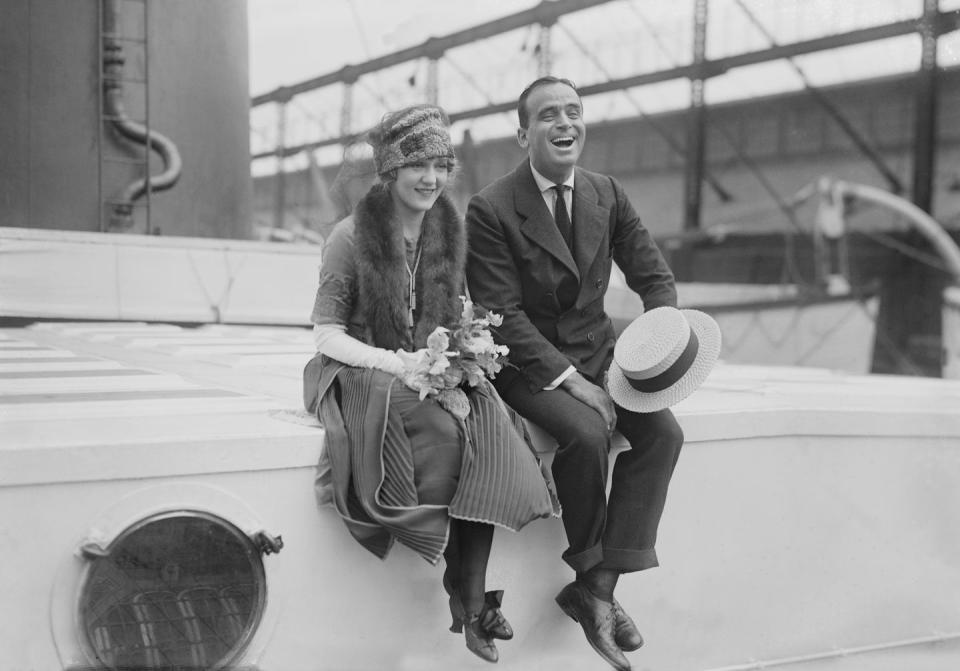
{"points": [[672, 374]]}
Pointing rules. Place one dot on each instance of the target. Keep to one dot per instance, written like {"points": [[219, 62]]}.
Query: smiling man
{"points": [[541, 243]]}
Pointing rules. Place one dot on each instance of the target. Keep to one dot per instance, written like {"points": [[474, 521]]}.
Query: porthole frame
{"points": [[254, 547]]}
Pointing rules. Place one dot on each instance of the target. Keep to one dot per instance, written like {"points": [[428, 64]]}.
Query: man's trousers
{"points": [[618, 533]]}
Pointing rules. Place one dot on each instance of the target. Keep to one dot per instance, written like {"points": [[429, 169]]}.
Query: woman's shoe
{"points": [[479, 642], [492, 619], [478, 638]]}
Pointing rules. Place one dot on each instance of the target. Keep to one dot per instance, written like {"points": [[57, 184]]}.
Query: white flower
{"points": [[458, 358]]}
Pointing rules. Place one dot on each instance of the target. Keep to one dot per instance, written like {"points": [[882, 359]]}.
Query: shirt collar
{"points": [[543, 183]]}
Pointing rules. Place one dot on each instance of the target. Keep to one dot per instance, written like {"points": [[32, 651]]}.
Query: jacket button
{"points": [[599, 283], [591, 337]]}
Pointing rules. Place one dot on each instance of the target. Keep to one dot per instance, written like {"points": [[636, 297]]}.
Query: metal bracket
{"points": [[91, 550], [266, 543]]}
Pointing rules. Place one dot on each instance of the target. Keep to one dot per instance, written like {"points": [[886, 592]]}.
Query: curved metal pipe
{"points": [[113, 61], [927, 225]]}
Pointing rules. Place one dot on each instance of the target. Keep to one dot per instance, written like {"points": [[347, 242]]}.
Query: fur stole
{"points": [[382, 278]]}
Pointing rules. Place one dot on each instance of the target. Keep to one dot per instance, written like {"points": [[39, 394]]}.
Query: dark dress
{"points": [[401, 467]]}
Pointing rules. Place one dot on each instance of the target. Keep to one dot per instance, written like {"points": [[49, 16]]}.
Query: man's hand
{"points": [[596, 397]]}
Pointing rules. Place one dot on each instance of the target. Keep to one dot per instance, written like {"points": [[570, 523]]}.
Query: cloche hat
{"points": [[662, 357], [409, 135]]}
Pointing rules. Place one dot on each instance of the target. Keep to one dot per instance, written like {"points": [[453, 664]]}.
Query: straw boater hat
{"points": [[662, 357]]}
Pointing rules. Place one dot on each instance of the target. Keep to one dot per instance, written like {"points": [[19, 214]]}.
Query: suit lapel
{"points": [[589, 221], [537, 224]]}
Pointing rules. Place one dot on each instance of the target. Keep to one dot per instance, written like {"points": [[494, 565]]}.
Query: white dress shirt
{"points": [[550, 195]]}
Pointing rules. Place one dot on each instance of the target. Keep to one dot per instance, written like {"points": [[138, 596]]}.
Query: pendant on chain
{"points": [[412, 274]]}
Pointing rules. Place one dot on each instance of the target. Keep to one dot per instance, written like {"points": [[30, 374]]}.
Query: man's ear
{"points": [[522, 137]]}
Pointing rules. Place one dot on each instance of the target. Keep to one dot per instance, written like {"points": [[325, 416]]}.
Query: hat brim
{"points": [[708, 334]]}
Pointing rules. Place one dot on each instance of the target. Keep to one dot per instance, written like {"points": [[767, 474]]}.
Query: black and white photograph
{"points": [[328, 341]]}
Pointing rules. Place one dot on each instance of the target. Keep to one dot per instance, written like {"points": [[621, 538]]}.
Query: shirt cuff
{"points": [[563, 376]]}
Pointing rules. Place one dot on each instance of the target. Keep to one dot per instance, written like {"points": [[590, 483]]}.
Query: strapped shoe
{"points": [[625, 632], [478, 640], [492, 620], [479, 629], [596, 616]]}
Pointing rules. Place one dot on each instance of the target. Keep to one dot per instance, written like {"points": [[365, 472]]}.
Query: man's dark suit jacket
{"points": [[551, 299]]}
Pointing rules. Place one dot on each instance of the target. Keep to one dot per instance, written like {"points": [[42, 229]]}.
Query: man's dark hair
{"points": [[522, 113]]}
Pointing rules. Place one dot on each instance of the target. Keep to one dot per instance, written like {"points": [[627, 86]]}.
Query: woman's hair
{"points": [[410, 135]]}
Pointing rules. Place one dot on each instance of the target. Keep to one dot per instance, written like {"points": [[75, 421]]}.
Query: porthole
{"points": [[178, 590]]}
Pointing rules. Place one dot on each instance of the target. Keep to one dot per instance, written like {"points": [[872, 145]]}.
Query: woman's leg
{"points": [[468, 600], [476, 540], [451, 555]]}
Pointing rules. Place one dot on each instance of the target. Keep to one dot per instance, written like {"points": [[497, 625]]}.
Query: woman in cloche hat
{"points": [[392, 273]]}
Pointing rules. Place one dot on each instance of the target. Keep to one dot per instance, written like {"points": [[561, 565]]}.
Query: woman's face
{"points": [[418, 185]]}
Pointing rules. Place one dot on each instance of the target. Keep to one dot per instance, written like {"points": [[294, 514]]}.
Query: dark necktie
{"points": [[561, 216]]}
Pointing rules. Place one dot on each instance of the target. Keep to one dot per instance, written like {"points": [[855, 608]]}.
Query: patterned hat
{"points": [[410, 135], [662, 357]]}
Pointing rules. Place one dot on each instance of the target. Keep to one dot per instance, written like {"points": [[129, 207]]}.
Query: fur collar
{"points": [[382, 276]]}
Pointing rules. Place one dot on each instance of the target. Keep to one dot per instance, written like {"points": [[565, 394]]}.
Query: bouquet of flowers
{"points": [[457, 359]]}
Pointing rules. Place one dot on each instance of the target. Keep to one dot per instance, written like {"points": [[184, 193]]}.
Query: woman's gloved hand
{"points": [[411, 362]]}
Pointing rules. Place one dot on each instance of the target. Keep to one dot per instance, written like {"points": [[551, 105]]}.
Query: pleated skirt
{"points": [[414, 466]]}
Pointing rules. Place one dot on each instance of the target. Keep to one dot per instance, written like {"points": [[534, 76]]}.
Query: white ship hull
{"points": [[811, 519]]}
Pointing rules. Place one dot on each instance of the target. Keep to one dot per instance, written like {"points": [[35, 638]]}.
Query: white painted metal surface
{"points": [[73, 275], [103, 276], [811, 522]]}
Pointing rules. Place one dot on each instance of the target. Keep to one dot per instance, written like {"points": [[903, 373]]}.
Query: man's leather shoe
{"points": [[625, 632], [597, 619]]}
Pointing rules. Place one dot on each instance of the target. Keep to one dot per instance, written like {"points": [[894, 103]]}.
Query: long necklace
{"points": [[412, 303]]}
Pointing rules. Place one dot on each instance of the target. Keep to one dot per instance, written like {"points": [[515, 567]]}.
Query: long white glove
{"points": [[332, 340]]}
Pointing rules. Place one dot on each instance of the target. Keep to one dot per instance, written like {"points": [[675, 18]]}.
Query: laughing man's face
{"points": [[555, 134]]}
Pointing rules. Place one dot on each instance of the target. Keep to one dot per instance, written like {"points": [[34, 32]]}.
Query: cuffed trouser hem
{"points": [[627, 561], [586, 560], [624, 561]]}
